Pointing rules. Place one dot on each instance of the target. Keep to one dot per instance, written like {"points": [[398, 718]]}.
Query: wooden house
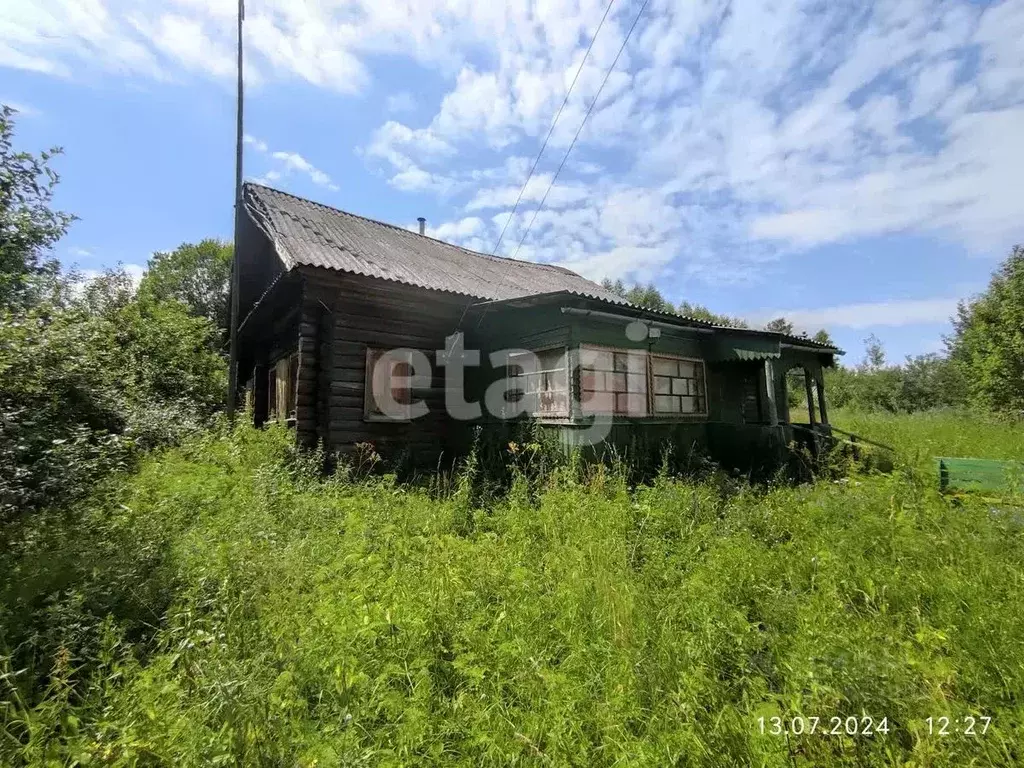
{"points": [[324, 294]]}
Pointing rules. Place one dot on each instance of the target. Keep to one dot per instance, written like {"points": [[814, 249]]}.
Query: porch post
{"points": [[769, 386], [810, 396], [819, 380]]}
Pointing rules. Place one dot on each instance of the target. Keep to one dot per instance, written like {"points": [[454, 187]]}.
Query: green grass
{"points": [[223, 606], [920, 437]]}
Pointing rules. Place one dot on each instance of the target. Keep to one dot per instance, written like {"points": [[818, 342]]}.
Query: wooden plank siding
{"points": [[307, 378], [358, 313], [331, 319]]}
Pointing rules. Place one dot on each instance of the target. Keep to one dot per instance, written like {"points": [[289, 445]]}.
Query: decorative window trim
{"points": [[370, 411], [702, 396], [562, 414]]}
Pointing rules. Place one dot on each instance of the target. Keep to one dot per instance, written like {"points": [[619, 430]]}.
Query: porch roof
{"points": [[731, 343]]}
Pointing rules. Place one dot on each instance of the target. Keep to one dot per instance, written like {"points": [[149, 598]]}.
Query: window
{"points": [[388, 393], [678, 385], [541, 379], [281, 379], [613, 381]]}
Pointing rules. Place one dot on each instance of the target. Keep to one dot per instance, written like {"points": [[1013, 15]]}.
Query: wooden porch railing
{"points": [[850, 437]]}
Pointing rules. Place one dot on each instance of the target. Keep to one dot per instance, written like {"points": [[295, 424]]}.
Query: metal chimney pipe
{"points": [[423, 224]]}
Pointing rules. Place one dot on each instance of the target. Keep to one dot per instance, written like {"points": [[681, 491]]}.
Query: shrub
{"points": [[83, 388]]}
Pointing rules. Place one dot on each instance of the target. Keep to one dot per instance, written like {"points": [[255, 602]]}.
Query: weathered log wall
{"points": [[357, 313]]}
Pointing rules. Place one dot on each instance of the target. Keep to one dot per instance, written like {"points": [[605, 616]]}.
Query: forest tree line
{"points": [[981, 367]]}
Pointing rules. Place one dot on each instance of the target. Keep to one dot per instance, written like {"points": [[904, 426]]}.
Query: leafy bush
{"points": [[84, 387], [86, 380], [987, 346], [28, 226], [305, 621]]}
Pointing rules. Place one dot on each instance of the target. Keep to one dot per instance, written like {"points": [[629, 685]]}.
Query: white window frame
{"points": [[511, 379], [703, 379]]}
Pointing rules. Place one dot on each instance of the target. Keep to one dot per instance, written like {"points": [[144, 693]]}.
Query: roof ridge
{"points": [[502, 259]]}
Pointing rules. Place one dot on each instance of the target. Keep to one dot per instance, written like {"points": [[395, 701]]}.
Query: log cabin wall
{"points": [[308, 375], [351, 313], [325, 369], [269, 335]]}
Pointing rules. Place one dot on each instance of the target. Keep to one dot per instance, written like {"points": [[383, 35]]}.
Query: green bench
{"points": [[979, 474]]}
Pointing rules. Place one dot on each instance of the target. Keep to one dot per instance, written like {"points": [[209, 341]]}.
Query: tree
{"points": [[874, 354], [700, 312], [28, 226], [780, 325], [646, 296], [197, 275], [929, 381], [987, 345], [617, 287], [84, 386], [823, 337]]}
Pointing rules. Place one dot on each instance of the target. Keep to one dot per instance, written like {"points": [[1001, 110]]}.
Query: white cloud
{"points": [[402, 146], [967, 189], [296, 162], [458, 231], [560, 196], [257, 144], [898, 312], [638, 263], [185, 41], [325, 43], [402, 101], [730, 134], [286, 163], [737, 136]]}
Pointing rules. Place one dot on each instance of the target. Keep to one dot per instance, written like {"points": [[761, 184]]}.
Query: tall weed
{"points": [[575, 620]]}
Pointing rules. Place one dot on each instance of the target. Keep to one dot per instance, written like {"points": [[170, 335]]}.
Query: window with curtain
{"points": [[541, 380]]}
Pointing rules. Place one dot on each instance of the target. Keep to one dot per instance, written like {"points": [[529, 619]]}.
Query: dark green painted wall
{"points": [[728, 435]]}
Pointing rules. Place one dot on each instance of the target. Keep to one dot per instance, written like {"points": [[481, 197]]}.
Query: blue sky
{"points": [[853, 166]]}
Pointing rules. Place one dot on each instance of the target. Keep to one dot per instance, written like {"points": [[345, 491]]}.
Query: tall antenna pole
{"points": [[235, 277]]}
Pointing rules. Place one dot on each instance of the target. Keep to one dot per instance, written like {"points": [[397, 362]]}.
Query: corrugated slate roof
{"points": [[315, 235]]}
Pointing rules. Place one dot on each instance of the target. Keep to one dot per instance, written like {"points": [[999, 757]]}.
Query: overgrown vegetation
{"points": [[175, 592], [923, 436], [224, 604], [92, 374]]}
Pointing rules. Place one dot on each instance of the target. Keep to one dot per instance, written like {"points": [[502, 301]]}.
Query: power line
{"points": [[544, 146], [551, 130], [572, 144], [580, 129]]}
